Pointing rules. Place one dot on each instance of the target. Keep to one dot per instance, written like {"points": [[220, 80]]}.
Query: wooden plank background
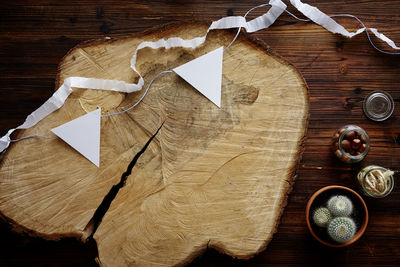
{"points": [[340, 72]]}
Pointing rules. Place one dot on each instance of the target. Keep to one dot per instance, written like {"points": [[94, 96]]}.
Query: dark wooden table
{"points": [[340, 72]]}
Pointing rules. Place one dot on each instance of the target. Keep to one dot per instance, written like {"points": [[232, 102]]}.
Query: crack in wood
{"points": [[102, 209]]}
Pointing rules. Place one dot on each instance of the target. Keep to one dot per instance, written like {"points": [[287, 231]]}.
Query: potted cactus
{"points": [[340, 206], [336, 216], [322, 216], [342, 229]]}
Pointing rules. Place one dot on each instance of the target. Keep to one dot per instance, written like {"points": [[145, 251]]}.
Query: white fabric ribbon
{"points": [[60, 96], [331, 25], [259, 23], [58, 99], [322, 19], [384, 38]]}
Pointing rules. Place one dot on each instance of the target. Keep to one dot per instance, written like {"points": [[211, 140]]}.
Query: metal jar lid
{"points": [[378, 106]]}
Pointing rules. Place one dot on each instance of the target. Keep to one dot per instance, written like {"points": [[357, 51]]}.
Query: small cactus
{"points": [[322, 217], [340, 206], [342, 229]]}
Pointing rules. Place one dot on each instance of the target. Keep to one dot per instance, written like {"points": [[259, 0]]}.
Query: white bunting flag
{"points": [[205, 74], [83, 134]]}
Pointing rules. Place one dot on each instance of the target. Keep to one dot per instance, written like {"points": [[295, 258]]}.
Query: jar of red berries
{"points": [[350, 143]]}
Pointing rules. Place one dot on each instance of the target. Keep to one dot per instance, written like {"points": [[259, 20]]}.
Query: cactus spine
{"points": [[341, 229], [340, 206], [322, 217]]}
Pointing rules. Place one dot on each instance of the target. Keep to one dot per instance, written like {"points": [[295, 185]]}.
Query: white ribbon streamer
{"points": [[266, 20], [384, 38], [60, 96], [259, 23], [322, 19], [58, 99], [328, 23]]}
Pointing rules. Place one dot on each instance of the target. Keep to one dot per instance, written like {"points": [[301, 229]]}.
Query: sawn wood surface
{"points": [[190, 175], [340, 72]]}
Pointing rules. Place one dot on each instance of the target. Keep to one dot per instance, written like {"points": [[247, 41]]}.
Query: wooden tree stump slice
{"points": [[193, 175]]}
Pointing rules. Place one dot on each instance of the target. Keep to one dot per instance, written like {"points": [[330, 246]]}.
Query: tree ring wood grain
{"points": [[208, 177]]}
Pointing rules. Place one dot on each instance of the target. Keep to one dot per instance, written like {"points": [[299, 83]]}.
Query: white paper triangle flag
{"points": [[83, 134], [205, 74]]}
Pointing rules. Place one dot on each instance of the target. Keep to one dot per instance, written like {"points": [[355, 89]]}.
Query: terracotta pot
{"points": [[359, 205]]}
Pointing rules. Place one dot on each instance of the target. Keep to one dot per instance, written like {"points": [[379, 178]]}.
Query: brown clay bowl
{"points": [[319, 198]]}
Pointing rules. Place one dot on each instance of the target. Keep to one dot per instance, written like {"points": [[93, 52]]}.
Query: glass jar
{"points": [[376, 181], [350, 143], [378, 106]]}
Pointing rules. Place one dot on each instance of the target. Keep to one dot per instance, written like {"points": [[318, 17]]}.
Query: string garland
{"points": [[331, 16], [102, 116], [261, 22], [140, 100]]}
